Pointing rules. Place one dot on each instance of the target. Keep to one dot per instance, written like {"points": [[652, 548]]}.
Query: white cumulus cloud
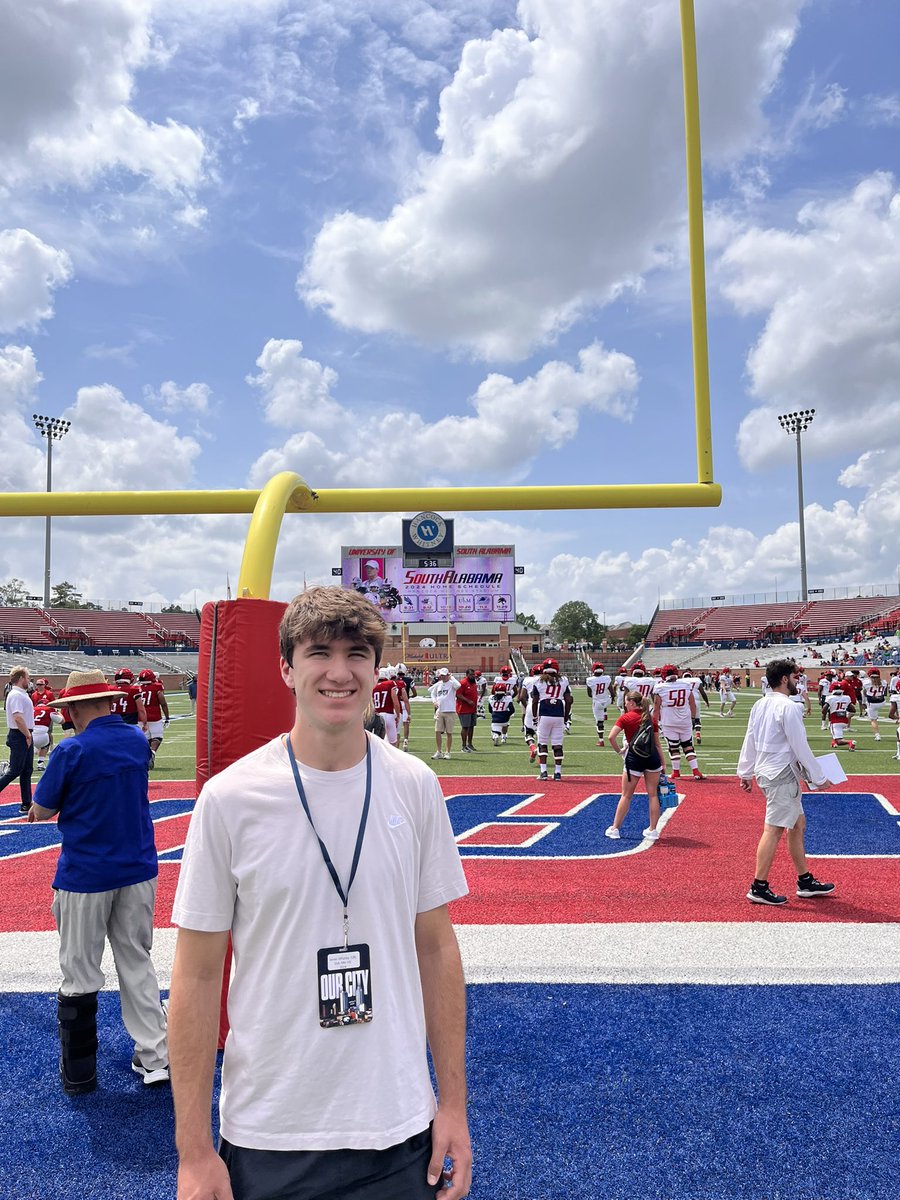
{"points": [[30, 271], [829, 291], [511, 424], [541, 200], [67, 75]]}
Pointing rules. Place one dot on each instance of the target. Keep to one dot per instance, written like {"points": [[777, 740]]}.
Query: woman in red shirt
{"points": [[638, 712]]}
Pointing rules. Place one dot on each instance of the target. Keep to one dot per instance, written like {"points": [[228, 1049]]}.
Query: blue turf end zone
{"points": [[658, 1092]]}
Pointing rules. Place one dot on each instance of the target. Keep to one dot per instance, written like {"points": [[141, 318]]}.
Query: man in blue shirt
{"points": [[105, 882]]}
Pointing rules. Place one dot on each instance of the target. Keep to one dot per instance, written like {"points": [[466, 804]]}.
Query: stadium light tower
{"points": [[53, 429], [796, 423]]}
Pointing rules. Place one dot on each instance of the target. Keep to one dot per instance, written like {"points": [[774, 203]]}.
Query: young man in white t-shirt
{"points": [[329, 858]]}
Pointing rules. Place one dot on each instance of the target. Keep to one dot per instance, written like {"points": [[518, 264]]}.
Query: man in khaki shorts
{"points": [[443, 697], [776, 751]]}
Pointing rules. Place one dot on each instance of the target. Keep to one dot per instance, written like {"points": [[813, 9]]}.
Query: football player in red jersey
{"points": [[42, 734], [153, 698], [386, 702], [42, 693], [128, 703]]}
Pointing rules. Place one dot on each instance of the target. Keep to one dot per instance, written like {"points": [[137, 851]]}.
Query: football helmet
{"points": [[597, 668], [550, 664], [505, 672], [125, 673], [837, 686], [872, 671], [536, 669], [147, 676]]}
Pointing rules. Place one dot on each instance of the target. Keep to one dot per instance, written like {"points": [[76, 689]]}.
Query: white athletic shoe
{"points": [[406, 743], [437, 754], [446, 754], [613, 833], [651, 835], [877, 737]]}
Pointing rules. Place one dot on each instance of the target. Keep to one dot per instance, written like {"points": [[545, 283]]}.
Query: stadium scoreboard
{"points": [[474, 583]]}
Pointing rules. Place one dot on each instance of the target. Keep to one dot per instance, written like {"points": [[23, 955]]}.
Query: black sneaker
{"points": [[24, 810], [808, 887], [761, 893]]}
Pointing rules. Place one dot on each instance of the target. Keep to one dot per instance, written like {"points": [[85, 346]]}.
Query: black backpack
{"points": [[643, 744]]}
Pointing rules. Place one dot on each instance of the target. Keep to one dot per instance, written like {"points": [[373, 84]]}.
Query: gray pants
{"points": [[85, 920]]}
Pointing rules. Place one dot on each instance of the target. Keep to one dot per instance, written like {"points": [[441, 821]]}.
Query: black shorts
{"points": [[467, 720], [637, 766], [397, 1173]]}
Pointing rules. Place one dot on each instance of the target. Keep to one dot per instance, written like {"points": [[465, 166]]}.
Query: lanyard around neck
{"points": [[361, 832]]}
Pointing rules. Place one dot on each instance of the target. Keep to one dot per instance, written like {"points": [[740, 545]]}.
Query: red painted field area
{"points": [[698, 871]]}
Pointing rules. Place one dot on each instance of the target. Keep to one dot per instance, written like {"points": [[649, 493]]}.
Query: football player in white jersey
{"points": [[503, 705], [840, 707], [874, 694], [698, 691], [726, 693], [825, 681], [674, 707], [529, 726], [640, 681], [551, 704], [620, 689], [598, 687]]}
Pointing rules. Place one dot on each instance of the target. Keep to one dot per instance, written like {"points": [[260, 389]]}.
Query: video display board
{"points": [[480, 586]]}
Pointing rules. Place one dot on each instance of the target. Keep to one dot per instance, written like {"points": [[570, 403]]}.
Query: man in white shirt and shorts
{"points": [[329, 858], [776, 750], [443, 697]]}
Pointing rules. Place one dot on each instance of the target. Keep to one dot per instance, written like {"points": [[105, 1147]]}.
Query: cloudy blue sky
{"points": [[383, 242]]}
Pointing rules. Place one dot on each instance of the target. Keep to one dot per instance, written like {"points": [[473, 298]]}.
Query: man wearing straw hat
{"points": [[105, 883]]}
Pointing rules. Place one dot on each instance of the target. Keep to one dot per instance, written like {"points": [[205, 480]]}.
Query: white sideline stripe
{"points": [[674, 952]]}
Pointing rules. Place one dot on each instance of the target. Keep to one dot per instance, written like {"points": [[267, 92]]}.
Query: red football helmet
{"points": [[147, 676], [505, 672], [597, 668], [536, 669], [550, 664], [670, 672], [125, 673], [871, 671], [837, 686]]}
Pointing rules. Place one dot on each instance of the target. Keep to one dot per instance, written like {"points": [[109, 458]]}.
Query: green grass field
{"points": [[718, 753]]}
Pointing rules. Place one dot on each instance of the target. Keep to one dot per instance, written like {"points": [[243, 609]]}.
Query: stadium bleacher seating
{"points": [[73, 628], [746, 623]]}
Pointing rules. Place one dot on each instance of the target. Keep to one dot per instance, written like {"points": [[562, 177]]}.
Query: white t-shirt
{"points": [[18, 701], [443, 693], [252, 865]]}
